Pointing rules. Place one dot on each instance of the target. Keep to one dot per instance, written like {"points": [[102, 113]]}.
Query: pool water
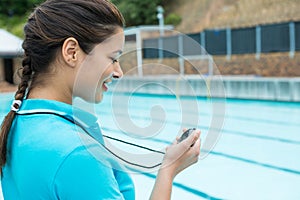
{"points": [[255, 156]]}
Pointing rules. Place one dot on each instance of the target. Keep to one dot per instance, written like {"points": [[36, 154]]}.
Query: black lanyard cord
{"points": [[132, 144], [109, 137]]}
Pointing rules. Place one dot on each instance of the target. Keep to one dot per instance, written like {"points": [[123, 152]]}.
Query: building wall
{"points": [[1, 70], [17, 62]]}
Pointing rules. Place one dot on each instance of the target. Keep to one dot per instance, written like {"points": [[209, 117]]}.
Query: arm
{"points": [[82, 176], [163, 185], [178, 157]]}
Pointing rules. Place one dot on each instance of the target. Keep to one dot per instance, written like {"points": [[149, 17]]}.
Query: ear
{"points": [[70, 51]]}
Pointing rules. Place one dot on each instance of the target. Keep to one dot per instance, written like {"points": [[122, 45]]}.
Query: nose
{"points": [[118, 73]]}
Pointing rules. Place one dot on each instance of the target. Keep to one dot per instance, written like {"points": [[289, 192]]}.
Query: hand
{"points": [[181, 155]]}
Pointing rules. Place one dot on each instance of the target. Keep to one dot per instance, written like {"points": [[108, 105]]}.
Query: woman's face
{"points": [[98, 68]]}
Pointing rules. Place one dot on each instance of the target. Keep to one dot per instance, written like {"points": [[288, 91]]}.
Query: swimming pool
{"points": [[256, 156]]}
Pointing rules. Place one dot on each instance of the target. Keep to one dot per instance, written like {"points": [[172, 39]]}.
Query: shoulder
{"points": [[49, 139], [45, 130], [46, 140]]}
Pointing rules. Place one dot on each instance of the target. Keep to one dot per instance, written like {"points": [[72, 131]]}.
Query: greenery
{"points": [[139, 12], [13, 13], [17, 7], [13, 24], [173, 19]]}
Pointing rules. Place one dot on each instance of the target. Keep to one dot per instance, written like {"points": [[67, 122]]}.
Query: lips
{"points": [[104, 87], [105, 84]]}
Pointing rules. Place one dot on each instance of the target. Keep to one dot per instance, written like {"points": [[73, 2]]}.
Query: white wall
{"points": [[243, 87]]}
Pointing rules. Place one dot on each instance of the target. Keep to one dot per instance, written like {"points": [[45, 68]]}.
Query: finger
{"points": [[197, 146], [185, 134], [178, 137], [195, 136], [197, 131], [191, 139], [175, 141]]}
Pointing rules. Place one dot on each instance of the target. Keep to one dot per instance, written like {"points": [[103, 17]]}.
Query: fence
{"points": [[283, 37]]}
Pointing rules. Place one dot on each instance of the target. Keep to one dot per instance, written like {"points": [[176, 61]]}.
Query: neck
{"points": [[53, 89]]}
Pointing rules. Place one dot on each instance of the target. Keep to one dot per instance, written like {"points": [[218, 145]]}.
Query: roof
{"points": [[10, 45]]}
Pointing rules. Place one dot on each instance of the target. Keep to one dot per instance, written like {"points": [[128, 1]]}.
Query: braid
{"points": [[26, 76], [7, 122]]}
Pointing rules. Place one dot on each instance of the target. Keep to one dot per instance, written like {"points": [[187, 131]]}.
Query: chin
{"points": [[98, 98]]}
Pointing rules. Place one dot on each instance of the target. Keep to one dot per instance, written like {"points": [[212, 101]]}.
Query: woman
{"points": [[69, 46]]}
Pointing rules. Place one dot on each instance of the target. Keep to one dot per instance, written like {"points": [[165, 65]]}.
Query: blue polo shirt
{"points": [[49, 157]]}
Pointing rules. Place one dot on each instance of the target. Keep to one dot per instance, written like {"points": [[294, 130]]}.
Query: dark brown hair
{"points": [[50, 24]]}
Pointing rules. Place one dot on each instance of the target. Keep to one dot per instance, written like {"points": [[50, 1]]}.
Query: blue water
{"points": [[256, 153]]}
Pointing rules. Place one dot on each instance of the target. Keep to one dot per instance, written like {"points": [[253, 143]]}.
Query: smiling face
{"points": [[98, 68]]}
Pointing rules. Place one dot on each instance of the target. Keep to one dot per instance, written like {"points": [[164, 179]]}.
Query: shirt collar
{"points": [[82, 117]]}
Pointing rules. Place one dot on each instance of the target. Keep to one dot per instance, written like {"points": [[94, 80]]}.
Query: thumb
{"points": [[191, 139]]}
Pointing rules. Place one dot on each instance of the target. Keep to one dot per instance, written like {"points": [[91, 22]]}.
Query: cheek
{"points": [[88, 78], [107, 71], [94, 71]]}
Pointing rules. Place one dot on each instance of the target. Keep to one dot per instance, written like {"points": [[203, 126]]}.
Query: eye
{"points": [[114, 60]]}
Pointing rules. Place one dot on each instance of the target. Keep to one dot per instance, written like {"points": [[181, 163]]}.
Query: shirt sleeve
{"points": [[82, 176]]}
